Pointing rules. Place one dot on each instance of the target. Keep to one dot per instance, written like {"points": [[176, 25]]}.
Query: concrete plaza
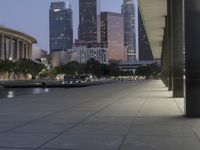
{"points": [[138, 115]]}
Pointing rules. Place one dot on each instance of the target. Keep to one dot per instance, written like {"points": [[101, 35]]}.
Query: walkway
{"points": [[120, 116]]}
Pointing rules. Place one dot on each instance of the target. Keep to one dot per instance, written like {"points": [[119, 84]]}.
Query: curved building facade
{"points": [[15, 45]]}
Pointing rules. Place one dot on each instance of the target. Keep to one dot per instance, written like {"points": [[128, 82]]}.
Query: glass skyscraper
{"points": [[88, 20], [61, 30], [128, 11]]}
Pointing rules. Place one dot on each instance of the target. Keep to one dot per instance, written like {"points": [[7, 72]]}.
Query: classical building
{"points": [[129, 14], [83, 54], [112, 35], [61, 28], [88, 20], [15, 45]]}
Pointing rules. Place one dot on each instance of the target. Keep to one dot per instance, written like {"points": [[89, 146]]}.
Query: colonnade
{"points": [[14, 48], [181, 53]]}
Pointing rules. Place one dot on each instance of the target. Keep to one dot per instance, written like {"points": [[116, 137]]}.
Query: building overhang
{"points": [[153, 13]]}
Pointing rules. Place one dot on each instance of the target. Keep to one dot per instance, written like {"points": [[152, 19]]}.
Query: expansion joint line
{"points": [[78, 123], [132, 124], [178, 106]]}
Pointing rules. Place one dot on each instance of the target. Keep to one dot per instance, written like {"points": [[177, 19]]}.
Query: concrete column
{"points": [[2, 48], [26, 50], [169, 41], [17, 50], [165, 70], [177, 48], [30, 51], [23, 49], [11, 48], [192, 57]]}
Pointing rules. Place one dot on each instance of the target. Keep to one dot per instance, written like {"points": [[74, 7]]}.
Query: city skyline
{"points": [[35, 23]]}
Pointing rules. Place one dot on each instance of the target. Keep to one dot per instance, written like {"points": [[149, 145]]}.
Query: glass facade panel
{"points": [[112, 35], [88, 12], [128, 11], [61, 32]]}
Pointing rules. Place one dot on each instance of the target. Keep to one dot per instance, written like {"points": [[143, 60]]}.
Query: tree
{"points": [[149, 71], [55, 71], [93, 67], [1, 68], [72, 68], [8, 68], [25, 67], [105, 70]]}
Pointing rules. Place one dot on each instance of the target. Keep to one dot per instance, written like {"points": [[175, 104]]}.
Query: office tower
{"points": [[129, 14], [145, 52], [112, 35], [88, 20], [61, 30]]}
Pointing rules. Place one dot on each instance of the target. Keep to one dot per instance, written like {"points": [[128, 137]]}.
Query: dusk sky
{"points": [[32, 16]]}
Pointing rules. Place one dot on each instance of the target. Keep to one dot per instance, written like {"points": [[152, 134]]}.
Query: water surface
{"points": [[13, 92]]}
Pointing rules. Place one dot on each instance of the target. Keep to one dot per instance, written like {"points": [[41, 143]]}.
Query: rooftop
{"points": [[13, 31]]}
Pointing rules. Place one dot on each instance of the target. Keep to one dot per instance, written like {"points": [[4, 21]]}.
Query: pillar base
{"points": [[192, 98], [178, 88]]}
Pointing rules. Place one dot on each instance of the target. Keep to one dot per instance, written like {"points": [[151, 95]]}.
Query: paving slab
{"points": [[138, 115], [7, 126], [68, 117], [23, 140], [85, 142], [164, 121], [99, 129], [8, 148], [42, 128], [98, 120], [164, 130], [160, 143]]}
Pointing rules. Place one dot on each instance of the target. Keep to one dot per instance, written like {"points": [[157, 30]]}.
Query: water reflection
{"points": [[13, 92], [10, 94], [36, 91]]}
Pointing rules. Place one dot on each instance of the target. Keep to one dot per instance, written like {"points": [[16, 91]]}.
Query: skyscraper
{"points": [[88, 20], [61, 30], [112, 35], [128, 11]]}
